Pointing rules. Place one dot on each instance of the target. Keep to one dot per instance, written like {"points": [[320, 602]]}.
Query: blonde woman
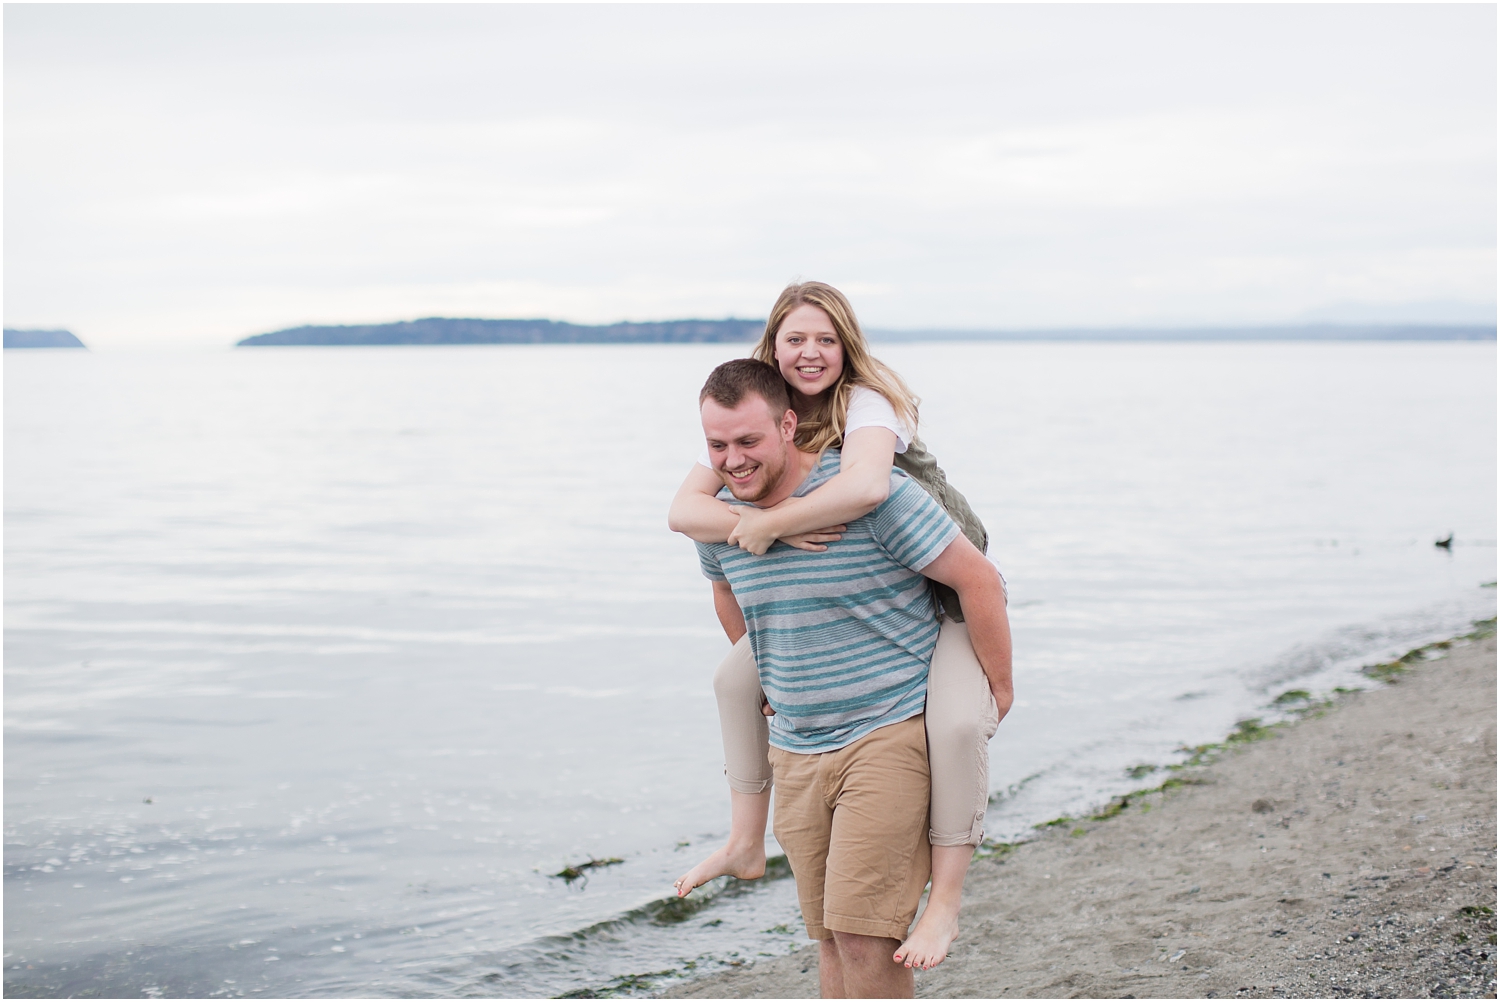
{"points": [[846, 398]]}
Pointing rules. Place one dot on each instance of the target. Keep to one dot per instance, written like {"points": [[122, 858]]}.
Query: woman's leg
{"points": [[743, 725], [961, 719]]}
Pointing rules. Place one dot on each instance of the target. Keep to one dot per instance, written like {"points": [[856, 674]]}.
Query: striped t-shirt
{"points": [[842, 638]]}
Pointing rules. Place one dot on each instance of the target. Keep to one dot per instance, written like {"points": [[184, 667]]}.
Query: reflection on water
{"points": [[318, 662]]}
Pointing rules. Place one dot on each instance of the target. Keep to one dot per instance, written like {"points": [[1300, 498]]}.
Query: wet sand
{"points": [[1351, 854]]}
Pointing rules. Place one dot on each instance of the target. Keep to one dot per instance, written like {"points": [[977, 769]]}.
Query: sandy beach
{"points": [[1348, 854]]}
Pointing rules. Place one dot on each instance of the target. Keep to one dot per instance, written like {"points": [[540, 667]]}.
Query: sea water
{"points": [[321, 663]]}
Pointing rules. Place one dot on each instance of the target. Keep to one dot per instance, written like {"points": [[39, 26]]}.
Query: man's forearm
{"points": [[964, 569], [989, 632], [727, 608]]}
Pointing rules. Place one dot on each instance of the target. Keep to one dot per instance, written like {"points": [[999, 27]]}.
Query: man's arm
{"points": [[727, 607], [964, 569]]}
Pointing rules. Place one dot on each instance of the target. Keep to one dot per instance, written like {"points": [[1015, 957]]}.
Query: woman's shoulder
{"points": [[869, 408], [868, 400]]}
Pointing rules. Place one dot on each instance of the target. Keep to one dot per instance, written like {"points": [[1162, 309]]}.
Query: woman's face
{"points": [[808, 351]]}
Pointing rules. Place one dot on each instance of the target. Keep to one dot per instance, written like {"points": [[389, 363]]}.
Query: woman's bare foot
{"points": [[927, 946], [747, 861]]}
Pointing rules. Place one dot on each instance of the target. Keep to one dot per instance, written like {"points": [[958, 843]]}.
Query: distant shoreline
{"points": [[440, 330]]}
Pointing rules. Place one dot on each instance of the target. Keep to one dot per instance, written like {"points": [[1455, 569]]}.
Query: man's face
{"points": [[749, 445]]}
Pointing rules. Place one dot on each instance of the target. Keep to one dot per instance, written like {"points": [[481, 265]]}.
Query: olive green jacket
{"points": [[920, 465]]}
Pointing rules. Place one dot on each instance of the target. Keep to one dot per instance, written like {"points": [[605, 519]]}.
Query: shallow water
{"points": [[319, 661]]}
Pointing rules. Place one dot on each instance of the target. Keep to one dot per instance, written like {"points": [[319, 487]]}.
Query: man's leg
{"points": [[804, 823], [866, 970], [878, 856], [830, 971]]}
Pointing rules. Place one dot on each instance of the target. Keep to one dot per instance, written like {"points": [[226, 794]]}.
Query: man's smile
{"points": [[745, 474]]}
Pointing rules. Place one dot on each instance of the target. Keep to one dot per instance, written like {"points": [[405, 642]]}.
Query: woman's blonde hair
{"points": [[824, 427]]}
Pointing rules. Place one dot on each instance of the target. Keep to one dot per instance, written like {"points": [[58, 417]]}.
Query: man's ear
{"points": [[789, 425]]}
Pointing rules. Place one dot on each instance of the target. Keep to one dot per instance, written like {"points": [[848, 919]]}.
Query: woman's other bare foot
{"points": [[747, 861], [927, 946]]}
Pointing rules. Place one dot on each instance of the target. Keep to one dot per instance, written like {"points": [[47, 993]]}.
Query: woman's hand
{"points": [[756, 531]]}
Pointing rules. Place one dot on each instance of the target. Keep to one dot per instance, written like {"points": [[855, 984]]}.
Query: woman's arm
{"points": [[863, 481], [697, 513], [700, 516]]}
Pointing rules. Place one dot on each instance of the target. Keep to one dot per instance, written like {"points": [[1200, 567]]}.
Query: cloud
{"points": [[205, 172]]}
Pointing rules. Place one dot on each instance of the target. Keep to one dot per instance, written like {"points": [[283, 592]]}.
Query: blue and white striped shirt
{"points": [[842, 638]]}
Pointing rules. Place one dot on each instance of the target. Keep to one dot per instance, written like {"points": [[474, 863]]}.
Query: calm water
{"points": [[319, 661]]}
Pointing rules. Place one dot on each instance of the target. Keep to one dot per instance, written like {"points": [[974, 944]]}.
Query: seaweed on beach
{"points": [[1390, 672], [576, 871], [996, 851], [625, 986]]}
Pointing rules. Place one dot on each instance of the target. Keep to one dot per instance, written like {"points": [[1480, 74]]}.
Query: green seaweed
{"points": [[1078, 831], [1251, 729], [1176, 783], [1293, 696], [1054, 823], [1388, 672], [1483, 629], [1140, 771], [573, 871], [621, 987], [995, 850], [777, 868], [1115, 807]]}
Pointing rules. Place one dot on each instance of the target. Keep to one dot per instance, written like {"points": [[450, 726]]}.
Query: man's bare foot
{"points": [[747, 862], [927, 946]]}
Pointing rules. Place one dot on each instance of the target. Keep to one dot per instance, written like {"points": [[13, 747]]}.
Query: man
{"points": [[842, 640]]}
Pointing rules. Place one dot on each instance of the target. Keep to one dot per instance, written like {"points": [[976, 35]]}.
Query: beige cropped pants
{"points": [[961, 719]]}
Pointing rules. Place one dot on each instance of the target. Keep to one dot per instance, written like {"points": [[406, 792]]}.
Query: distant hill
{"points": [[40, 339], [438, 330]]}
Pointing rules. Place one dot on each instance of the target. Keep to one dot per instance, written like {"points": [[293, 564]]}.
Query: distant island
{"points": [[438, 330], [40, 339]]}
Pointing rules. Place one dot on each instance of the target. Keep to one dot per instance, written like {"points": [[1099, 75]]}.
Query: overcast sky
{"points": [[204, 172]]}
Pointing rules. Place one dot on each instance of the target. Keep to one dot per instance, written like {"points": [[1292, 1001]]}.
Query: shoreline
{"points": [[1350, 852]]}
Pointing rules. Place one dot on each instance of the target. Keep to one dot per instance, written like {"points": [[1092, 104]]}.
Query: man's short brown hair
{"points": [[729, 383]]}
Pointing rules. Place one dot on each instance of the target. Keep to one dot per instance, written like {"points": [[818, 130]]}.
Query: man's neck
{"points": [[797, 469]]}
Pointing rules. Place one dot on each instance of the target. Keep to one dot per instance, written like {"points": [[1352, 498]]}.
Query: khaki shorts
{"points": [[853, 823]]}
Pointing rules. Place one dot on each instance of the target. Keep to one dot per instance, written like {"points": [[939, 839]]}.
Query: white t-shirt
{"points": [[867, 409]]}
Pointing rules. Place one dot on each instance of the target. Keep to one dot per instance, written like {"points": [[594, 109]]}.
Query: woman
{"points": [[846, 398]]}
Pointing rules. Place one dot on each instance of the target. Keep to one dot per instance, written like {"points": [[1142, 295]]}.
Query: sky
{"points": [[199, 173]]}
